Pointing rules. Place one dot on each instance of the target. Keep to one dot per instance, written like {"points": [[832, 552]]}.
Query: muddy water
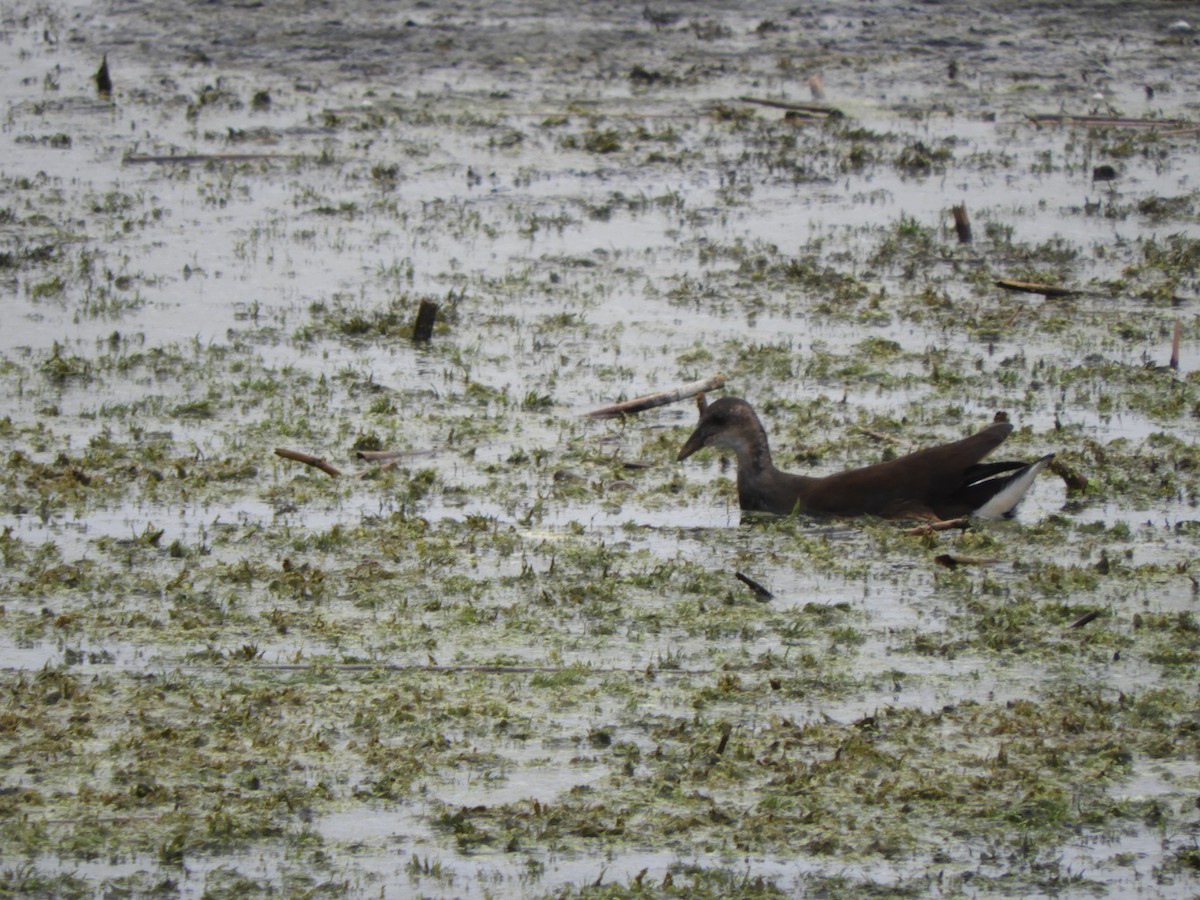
{"points": [[508, 683]]}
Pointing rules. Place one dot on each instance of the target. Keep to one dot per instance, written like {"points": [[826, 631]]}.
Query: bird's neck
{"points": [[753, 453]]}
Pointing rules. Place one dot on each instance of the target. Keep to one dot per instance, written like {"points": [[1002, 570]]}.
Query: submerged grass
{"points": [[518, 658]]}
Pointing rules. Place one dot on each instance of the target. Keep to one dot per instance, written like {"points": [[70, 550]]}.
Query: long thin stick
{"points": [[451, 669], [379, 455], [814, 108], [309, 460], [759, 591], [1175, 346], [1032, 287], [1085, 618], [1106, 121], [940, 525], [662, 399], [187, 159]]}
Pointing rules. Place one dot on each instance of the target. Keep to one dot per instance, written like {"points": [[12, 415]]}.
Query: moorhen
{"points": [[943, 482]]}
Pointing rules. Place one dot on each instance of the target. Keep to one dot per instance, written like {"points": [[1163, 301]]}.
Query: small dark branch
{"points": [[309, 460], [726, 731], [1176, 338], [104, 83], [953, 562], [816, 109], [1085, 618], [435, 668], [187, 159], [759, 591], [1032, 287], [962, 224], [426, 316], [641, 404]]}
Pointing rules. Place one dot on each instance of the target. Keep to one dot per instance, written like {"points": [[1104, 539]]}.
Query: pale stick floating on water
{"points": [[650, 401]]}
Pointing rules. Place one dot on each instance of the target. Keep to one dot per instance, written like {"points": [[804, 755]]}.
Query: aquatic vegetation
{"points": [[516, 656]]}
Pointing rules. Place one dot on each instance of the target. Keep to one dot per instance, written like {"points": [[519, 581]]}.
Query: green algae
{"points": [[216, 652]]}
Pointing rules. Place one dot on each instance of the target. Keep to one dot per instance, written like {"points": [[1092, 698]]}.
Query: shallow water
{"points": [[591, 236]]}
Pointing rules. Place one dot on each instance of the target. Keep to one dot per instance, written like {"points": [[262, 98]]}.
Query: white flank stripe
{"points": [[1005, 501]]}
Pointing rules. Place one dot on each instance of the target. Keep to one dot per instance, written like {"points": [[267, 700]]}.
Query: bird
{"points": [[938, 483]]}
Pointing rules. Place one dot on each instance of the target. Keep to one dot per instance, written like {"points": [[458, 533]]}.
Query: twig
{"points": [[426, 316], [187, 159], [1107, 121], [1032, 287], [103, 79], [885, 438], [814, 108], [309, 460], [1085, 618], [379, 455], [435, 668], [726, 731], [953, 562], [1174, 363], [759, 591], [662, 399], [941, 525], [962, 224], [1016, 312]]}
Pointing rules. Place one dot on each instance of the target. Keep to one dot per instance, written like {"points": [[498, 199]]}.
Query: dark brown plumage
{"points": [[941, 482]]}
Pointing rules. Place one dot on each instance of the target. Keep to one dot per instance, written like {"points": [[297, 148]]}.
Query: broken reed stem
{"points": [[1109, 121], [434, 668], [962, 224], [187, 159], [103, 79], [379, 455], [812, 108], [941, 525], [759, 591], [726, 731], [426, 316], [1033, 287], [1176, 338], [1016, 312], [641, 404], [1085, 618], [952, 562], [309, 460]]}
